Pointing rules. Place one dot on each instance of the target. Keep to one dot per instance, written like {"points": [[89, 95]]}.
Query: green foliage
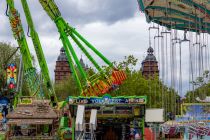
{"points": [[6, 51], [159, 95], [202, 88], [66, 88]]}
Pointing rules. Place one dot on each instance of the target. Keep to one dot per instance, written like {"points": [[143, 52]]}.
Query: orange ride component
{"points": [[119, 76], [101, 87]]}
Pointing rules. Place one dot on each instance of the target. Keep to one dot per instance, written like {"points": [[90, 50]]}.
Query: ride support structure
{"points": [[98, 84], [30, 73], [39, 52]]}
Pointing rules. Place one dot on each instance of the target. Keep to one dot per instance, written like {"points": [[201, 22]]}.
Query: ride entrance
{"points": [[116, 118]]}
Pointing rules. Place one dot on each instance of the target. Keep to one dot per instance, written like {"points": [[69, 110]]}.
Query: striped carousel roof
{"points": [[190, 15]]}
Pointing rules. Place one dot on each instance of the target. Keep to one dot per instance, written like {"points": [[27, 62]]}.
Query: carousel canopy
{"points": [[188, 15]]}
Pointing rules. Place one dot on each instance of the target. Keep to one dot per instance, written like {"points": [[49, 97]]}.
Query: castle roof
{"points": [[62, 56], [150, 56]]}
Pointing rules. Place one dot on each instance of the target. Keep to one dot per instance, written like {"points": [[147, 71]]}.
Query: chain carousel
{"points": [[177, 27]]}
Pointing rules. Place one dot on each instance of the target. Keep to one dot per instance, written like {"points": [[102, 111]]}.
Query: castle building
{"points": [[62, 69], [150, 65]]}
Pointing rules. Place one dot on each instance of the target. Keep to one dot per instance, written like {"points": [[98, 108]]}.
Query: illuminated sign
{"points": [[108, 100]]}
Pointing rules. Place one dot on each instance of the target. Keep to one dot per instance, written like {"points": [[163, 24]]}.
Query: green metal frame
{"points": [[30, 74], [66, 31], [39, 51]]}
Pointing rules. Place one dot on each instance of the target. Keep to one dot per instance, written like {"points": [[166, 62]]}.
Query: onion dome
{"points": [[150, 56], [62, 56]]}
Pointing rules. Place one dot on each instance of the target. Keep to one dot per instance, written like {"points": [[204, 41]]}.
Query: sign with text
{"points": [[108, 100]]}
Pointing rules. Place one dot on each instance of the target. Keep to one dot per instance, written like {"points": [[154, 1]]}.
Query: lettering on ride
{"points": [[81, 101], [15, 22], [96, 101], [108, 100], [115, 101], [137, 100]]}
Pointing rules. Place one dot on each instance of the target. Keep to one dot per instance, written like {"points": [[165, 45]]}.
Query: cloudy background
{"points": [[115, 27]]}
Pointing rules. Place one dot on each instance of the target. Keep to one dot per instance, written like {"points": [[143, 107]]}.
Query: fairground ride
{"points": [[30, 73], [102, 82], [97, 85], [169, 18]]}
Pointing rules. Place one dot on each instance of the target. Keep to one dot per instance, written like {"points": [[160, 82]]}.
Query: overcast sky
{"points": [[115, 27]]}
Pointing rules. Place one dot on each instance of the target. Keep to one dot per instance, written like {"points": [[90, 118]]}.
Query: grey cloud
{"points": [[122, 34], [107, 11], [78, 13]]}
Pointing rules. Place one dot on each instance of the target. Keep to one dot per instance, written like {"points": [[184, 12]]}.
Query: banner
{"points": [[108, 100]]}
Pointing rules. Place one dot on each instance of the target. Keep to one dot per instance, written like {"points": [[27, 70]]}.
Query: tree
{"points": [[66, 88], [202, 90], [6, 52], [158, 94], [9, 54]]}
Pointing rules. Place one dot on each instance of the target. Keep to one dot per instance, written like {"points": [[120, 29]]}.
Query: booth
{"points": [[32, 119], [117, 117]]}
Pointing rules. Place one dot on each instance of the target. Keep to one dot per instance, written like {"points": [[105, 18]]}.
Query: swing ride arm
{"points": [[103, 83], [30, 74], [55, 15], [52, 10], [39, 51]]}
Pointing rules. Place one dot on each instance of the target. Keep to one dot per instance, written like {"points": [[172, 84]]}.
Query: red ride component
{"points": [[119, 76], [116, 77], [106, 87], [102, 87], [123, 75], [96, 89], [99, 85]]}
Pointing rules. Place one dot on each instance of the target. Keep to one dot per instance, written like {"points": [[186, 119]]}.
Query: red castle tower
{"points": [[62, 69], [150, 65]]}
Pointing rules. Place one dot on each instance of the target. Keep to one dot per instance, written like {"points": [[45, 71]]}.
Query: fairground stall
{"points": [[32, 119], [192, 124], [107, 117]]}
